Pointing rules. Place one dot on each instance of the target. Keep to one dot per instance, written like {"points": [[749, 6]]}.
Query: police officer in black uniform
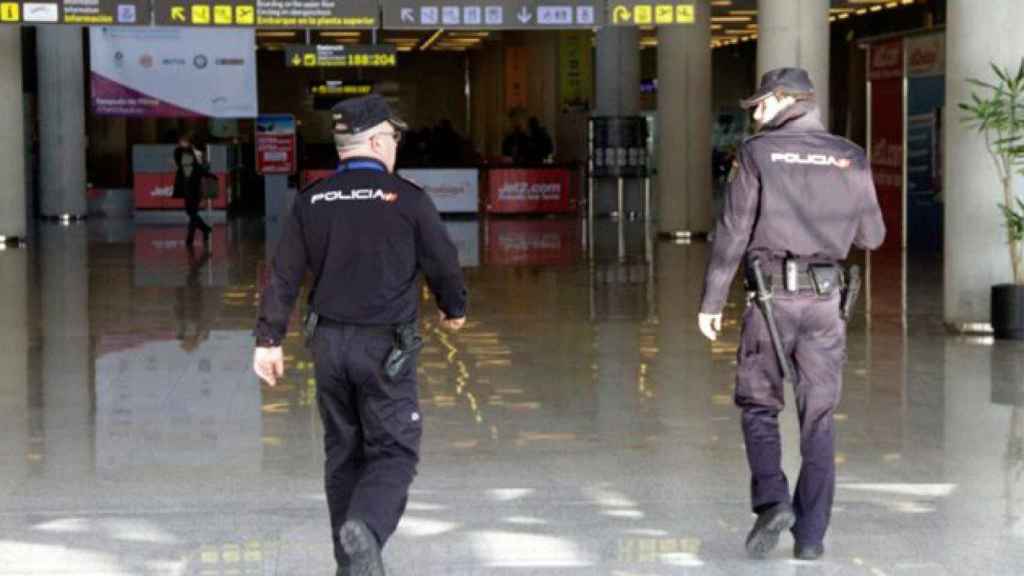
{"points": [[364, 233], [798, 198]]}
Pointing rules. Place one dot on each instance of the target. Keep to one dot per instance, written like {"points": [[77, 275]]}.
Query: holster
{"points": [[309, 327], [407, 343]]}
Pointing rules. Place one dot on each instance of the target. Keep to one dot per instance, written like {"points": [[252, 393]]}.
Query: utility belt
{"points": [[406, 337], [794, 276]]}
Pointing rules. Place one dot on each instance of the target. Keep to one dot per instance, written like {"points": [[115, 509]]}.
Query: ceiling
{"points": [[732, 22]]}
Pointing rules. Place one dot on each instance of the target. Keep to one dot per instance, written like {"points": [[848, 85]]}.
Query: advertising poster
{"points": [[173, 72], [275, 144], [454, 191], [517, 70], [521, 191], [885, 71], [576, 70]]}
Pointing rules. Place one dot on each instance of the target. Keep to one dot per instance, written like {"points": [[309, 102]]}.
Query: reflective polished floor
{"points": [[579, 425]]}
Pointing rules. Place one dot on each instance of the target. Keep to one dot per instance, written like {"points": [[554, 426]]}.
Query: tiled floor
{"points": [[579, 425]]}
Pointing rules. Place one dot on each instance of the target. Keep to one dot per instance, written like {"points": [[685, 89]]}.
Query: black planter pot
{"points": [[1008, 311]]}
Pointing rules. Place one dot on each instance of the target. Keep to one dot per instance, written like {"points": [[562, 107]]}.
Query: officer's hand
{"points": [[268, 363], [452, 324], [710, 325]]}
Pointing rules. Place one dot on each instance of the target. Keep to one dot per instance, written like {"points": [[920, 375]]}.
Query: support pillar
{"points": [[12, 146], [685, 194], [796, 33], [62, 176], [976, 251], [618, 94]]}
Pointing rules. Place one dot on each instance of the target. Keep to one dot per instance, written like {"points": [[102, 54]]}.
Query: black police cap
{"points": [[357, 115], [789, 80]]}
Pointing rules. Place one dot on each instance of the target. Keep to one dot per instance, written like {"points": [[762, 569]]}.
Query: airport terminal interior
{"points": [[579, 424]]}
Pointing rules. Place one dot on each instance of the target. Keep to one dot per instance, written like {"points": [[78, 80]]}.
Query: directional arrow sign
{"points": [[178, 13], [496, 14], [622, 15], [647, 12]]}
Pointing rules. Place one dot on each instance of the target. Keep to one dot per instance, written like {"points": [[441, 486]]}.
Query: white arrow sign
{"points": [[408, 16], [525, 15]]}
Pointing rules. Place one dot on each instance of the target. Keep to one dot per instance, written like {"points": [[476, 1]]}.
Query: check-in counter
{"points": [[521, 190], [153, 172]]}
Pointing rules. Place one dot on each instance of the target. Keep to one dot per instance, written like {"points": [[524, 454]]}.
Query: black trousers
{"points": [[195, 222], [372, 428], [814, 337]]}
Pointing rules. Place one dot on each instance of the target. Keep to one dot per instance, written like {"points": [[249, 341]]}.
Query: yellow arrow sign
{"points": [[621, 14], [296, 60], [178, 14]]}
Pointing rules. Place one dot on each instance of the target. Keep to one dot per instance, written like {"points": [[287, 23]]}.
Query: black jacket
{"points": [[365, 234], [794, 189], [188, 178]]}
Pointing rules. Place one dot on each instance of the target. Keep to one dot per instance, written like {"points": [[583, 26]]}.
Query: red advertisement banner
{"points": [[521, 191], [155, 191]]}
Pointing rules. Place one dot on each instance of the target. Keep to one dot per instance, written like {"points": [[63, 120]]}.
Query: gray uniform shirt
{"points": [[795, 189]]}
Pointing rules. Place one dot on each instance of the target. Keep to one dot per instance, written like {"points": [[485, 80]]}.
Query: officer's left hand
{"points": [[268, 363], [710, 325]]}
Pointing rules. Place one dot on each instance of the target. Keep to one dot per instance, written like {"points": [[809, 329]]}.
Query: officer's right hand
{"points": [[710, 325], [268, 363], [452, 324]]}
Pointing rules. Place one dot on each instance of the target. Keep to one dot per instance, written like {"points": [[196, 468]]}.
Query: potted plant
{"points": [[996, 110]]}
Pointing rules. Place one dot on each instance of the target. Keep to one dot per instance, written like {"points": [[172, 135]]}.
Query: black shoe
{"points": [[362, 549], [764, 536], [808, 552]]}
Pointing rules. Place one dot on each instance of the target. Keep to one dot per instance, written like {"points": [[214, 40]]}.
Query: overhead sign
{"points": [[341, 56], [493, 14], [336, 88], [77, 12], [267, 13], [640, 13], [275, 144], [173, 72]]}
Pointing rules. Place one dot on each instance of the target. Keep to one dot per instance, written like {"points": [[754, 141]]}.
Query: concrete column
{"points": [[62, 178], [618, 94], [976, 252], [795, 33], [12, 145], [684, 125], [618, 71]]}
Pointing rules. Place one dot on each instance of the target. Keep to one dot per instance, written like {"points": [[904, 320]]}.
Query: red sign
{"points": [[275, 144], [519, 191], [155, 191], [886, 60], [886, 73]]}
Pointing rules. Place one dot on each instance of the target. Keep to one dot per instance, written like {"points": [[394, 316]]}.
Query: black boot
{"points": [[809, 552], [764, 536], [362, 549]]}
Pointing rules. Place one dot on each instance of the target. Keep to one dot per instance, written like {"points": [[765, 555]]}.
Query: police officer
{"points": [[797, 199], [364, 233]]}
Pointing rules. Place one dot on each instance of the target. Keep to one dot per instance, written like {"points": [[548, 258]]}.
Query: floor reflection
{"points": [[578, 425]]}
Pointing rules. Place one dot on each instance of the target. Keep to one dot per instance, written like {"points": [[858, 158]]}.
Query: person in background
{"points": [[188, 185]]}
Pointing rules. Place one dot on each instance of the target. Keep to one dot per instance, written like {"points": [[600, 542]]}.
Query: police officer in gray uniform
{"points": [[365, 234], [798, 198]]}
